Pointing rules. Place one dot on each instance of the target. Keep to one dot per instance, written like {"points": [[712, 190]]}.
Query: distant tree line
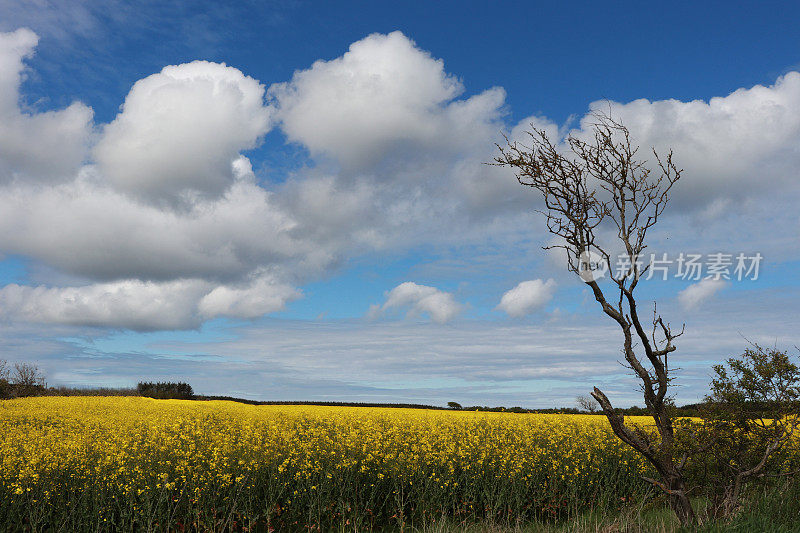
{"points": [[20, 380], [165, 390]]}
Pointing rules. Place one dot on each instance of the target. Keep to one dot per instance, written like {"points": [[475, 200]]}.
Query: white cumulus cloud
{"points": [[181, 129], [419, 299], [261, 296], [733, 146], [144, 305], [694, 295], [46, 146], [383, 95], [527, 296], [129, 304], [98, 233]]}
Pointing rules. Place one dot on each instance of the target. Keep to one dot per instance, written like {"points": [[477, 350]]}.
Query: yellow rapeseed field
{"points": [[156, 463]]}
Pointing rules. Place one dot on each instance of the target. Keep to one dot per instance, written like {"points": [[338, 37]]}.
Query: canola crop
{"points": [[80, 463]]}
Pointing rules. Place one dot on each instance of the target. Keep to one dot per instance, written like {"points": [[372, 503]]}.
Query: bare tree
{"points": [[586, 403], [5, 389], [27, 378], [590, 187]]}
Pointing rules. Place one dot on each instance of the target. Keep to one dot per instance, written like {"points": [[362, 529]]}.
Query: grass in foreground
{"points": [[770, 509]]}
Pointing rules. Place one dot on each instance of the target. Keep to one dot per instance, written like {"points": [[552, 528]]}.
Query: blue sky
{"points": [[288, 200]]}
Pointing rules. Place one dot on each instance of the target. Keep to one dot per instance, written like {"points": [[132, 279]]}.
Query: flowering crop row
{"points": [[111, 463]]}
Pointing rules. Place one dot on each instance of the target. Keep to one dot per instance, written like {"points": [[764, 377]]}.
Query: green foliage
{"points": [[761, 383], [166, 390], [748, 421]]}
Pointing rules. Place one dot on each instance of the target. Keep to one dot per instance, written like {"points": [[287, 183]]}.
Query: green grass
{"points": [[769, 509]]}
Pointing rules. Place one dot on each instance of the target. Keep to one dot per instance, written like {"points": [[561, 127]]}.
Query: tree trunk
{"points": [[672, 482], [679, 502]]}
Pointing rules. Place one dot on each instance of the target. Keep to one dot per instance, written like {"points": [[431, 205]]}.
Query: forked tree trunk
{"points": [[680, 503], [661, 457]]}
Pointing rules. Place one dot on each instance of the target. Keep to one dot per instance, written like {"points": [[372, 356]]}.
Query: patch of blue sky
{"points": [[13, 269], [350, 292], [276, 160]]}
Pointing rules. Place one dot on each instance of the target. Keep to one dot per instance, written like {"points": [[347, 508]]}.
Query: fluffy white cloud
{"points": [[144, 305], [527, 296], [34, 146], [129, 304], [384, 95], [145, 265], [407, 152], [419, 299], [732, 146], [695, 294], [180, 130], [95, 232], [261, 296]]}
